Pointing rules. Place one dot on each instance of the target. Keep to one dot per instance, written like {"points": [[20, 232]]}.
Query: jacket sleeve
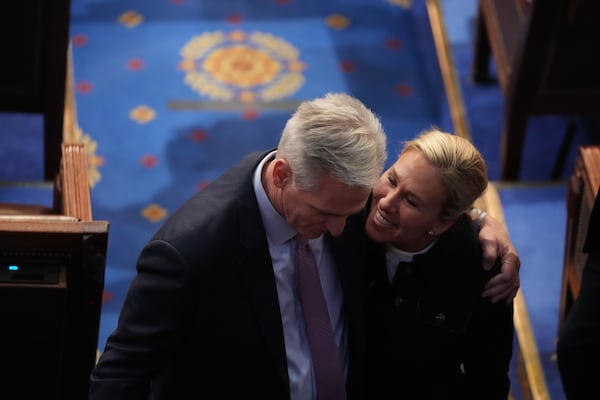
{"points": [[148, 326]]}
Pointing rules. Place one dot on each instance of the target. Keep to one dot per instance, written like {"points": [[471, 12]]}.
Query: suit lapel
{"points": [[257, 274]]}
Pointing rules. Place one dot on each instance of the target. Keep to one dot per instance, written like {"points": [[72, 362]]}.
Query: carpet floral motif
{"points": [[240, 66]]}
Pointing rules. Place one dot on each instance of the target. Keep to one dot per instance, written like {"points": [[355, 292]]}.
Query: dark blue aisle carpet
{"points": [[536, 219]]}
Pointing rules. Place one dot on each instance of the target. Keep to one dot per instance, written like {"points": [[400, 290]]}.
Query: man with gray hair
{"points": [[222, 305]]}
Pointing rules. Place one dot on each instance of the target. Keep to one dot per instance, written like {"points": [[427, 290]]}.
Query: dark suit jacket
{"points": [[201, 318], [431, 335]]}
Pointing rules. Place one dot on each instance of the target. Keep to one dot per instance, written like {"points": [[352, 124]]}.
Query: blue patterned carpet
{"points": [[175, 92]]}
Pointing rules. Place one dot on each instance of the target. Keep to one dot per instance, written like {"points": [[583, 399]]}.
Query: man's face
{"points": [[407, 204], [323, 209]]}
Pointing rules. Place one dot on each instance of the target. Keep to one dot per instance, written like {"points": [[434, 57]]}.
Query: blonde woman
{"points": [[431, 334]]}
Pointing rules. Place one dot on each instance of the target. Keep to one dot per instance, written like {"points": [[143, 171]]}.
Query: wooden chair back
{"points": [[543, 52]]}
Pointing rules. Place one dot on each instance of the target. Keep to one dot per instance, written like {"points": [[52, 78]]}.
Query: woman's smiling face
{"points": [[407, 204]]}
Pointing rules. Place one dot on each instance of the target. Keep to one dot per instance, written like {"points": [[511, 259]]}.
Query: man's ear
{"points": [[282, 174]]}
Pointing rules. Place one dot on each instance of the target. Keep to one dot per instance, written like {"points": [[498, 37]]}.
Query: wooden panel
{"points": [[51, 284], [75, 186], [582, 189], [50, 335]]}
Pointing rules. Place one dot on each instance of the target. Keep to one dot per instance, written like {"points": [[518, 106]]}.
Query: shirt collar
{"points": [[277, 228], [394, 255]]}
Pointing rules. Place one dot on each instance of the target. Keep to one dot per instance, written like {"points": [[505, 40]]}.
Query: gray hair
{"points": [[335, 134], [461, 167]]}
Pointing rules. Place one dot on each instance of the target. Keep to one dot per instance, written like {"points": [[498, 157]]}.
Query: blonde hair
{"points": [[461, 167]]}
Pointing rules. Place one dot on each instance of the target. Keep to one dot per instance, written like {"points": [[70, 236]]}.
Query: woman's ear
{"points": [[442, 226]]}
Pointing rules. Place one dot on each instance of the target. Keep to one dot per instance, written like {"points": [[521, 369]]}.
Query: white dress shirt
{"points": [[279, 237]]}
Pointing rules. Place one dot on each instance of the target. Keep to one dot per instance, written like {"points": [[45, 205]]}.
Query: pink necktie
{"points": [[325, 353]]}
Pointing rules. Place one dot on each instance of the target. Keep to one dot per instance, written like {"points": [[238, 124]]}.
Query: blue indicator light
{"points": [[13, 267]]}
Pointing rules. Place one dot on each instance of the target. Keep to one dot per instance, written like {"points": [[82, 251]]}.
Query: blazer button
{"points": [[398, 301]]}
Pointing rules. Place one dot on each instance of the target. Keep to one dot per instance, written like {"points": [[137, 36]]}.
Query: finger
{"points": [[498, 281], [496, 289], [490, 254], [510, 269], [501, 287], [507, 295], [505, 280], [498, 297]]}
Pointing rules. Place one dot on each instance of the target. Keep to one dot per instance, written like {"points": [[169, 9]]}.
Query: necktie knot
{"points": [[301, 240]]}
